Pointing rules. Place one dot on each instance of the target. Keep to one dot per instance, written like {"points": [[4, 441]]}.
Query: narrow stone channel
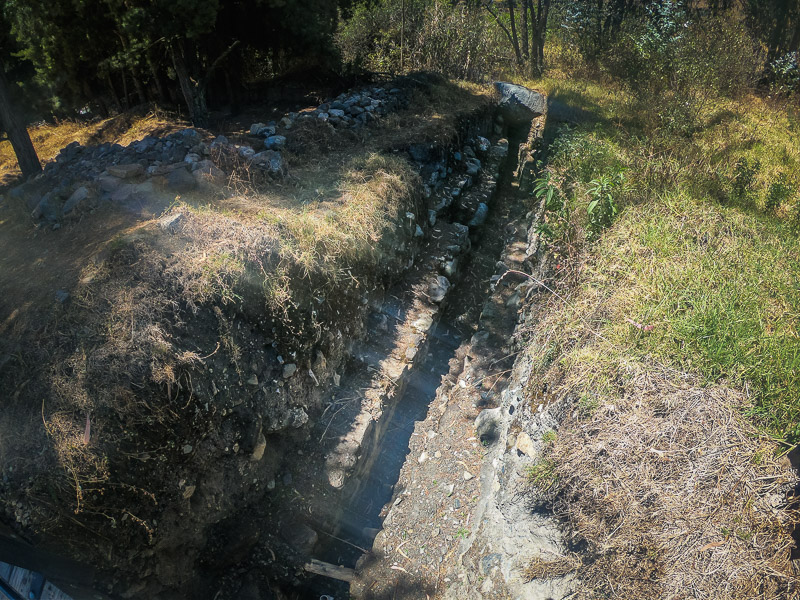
{"points": [[365, 500]]}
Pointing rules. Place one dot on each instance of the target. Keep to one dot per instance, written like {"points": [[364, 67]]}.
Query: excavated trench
{"points": [[372, 488], [329, 507]]}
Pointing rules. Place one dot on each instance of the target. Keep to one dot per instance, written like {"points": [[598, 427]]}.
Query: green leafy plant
{"points": [[602, 206], [545, 189]]}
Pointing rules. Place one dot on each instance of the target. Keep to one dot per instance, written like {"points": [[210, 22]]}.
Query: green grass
{"points": [[705, 260]]}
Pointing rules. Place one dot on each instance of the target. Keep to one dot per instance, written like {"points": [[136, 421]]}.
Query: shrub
{"points": [[677, 65], [453, 39]]}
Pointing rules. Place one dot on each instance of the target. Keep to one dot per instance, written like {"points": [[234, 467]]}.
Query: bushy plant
{"points": [[785, 72]]}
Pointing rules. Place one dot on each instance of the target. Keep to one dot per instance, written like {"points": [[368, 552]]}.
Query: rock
{"points": [[171, 223], [525, 445], [46, 209], [479, 218], [422, 457], [491, 562], [207, 172], [75, 199], [275, 142], [180, 180], [109, 183], [473, 166], [189, 491], [122, 193], [518, 104], [418, 232], [438, 288], [220, 140], [245, 151], [286, 122], [336, 112], [125, 171], [192, 158], [289, 369], [62, 296], [323, 116], [467, 476], [300, 537], [187, 449], [253, 380], [483, 144], [256, 128], [260, 447]]}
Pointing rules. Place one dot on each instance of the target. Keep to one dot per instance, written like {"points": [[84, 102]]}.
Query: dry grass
{"points": [[671, 475], [673, 493]]}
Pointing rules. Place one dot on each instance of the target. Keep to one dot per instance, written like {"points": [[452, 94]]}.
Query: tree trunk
{"points": [[514, 38], [113, 91], [539, 36], [125, 103], [155, 75], [17, 133], [523, 34], [192, 93], [137, 85]]}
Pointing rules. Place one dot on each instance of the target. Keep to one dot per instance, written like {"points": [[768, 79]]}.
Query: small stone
{"points": [[187, 449], [271, 484], [253, 380], [287, 478], [525, 444], [436, 531], [411, 352], [450, 489], [289, 370], [456, 503], [170, 223], [422, 457], [62, 296], [258, 451], [467, 476], [418, 232], [189, 491], [437, 454]]}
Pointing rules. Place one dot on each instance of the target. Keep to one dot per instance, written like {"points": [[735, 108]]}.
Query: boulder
{"points": [[518, 104]]}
